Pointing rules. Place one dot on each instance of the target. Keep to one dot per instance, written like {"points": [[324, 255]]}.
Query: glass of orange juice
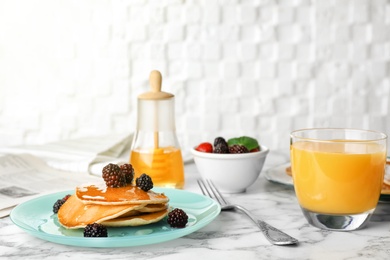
{"points": [[338, 175]]}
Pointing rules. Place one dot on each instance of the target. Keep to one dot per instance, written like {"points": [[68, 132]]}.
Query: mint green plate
{"points": [[36, 217]]}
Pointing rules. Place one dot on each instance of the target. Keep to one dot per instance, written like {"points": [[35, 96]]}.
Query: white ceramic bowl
{"points": [[231, 173]]}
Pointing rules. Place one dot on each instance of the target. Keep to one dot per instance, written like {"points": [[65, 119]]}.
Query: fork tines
{"points": [[208, 188]]}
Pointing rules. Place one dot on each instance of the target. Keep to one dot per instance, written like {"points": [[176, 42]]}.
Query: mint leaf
{"points": [[249, 142]]}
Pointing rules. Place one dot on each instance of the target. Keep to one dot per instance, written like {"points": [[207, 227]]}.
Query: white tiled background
{"points": [[263, 68]]}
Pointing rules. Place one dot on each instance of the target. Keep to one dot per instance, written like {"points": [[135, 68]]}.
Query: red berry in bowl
{"points": [[205, 148]]}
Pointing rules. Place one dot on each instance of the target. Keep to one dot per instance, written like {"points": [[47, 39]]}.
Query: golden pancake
{"points": [[385, 189], [288, 171], [130, 194], [139, 220], [387, 174], [75, 214], [153, 207], [147, 209]]}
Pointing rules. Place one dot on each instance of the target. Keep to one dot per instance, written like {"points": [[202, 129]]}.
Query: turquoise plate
{"points": [[36, 217]]}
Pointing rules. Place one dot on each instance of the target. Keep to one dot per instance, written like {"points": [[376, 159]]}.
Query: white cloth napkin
{"points": [[79, 155]]}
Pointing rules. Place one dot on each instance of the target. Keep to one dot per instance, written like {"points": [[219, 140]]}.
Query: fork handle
{"points": [[274, 235]]}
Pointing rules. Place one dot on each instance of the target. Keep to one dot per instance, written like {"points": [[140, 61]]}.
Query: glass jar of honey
{"points": [[155, 148]]}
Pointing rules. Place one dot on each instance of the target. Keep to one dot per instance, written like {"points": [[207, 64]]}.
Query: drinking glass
{"points": [[338, 175]]}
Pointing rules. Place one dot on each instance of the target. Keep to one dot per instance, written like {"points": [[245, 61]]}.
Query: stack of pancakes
{"points": [[116, 207]]}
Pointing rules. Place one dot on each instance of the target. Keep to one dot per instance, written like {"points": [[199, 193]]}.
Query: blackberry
{"points": [[220, 140], [113, 176], [128, 171], [177, 218], [221, 148], [57, 205], [95, 230], [236, 148], [144, 182]]}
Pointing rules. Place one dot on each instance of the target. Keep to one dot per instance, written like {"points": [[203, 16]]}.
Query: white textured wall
{"points": [[262, 68]]}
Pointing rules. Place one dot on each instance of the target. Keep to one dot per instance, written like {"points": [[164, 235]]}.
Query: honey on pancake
{"points": [[101, 193]]}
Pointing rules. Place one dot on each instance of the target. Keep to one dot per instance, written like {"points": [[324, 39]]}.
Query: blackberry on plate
{"points": [[221, 148], [128, 171], [236, 148], [220, 140], [113, 176], [177, 218], [144, 182], [95, 230], [57, 205]]}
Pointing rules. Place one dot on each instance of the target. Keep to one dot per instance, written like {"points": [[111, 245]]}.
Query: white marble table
{"points": [[231, 235]]}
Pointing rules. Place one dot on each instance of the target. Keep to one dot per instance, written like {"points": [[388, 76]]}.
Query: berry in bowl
{"points": [[232, 165]]}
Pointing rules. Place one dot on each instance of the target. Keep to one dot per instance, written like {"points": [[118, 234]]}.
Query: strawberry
{"points": [[205, 147]]}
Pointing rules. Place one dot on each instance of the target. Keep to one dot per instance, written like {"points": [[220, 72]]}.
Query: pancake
{"points": [[385, 189], [288, 171], [75, 214], [386, 179], [130, 194], [153, 207], [139, 220], [147, 209]]}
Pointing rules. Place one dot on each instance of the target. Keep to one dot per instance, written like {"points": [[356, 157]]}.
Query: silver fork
{"points": [[274, 235]]}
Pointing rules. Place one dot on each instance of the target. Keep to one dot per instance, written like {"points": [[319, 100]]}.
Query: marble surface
{"points": [[231, 235]]}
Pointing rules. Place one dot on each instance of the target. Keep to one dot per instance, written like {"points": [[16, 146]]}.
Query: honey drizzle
{"points": [[130, 193]]}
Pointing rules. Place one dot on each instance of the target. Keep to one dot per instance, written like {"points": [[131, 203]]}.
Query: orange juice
{"points": [[340, 177], [164, 165]]}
